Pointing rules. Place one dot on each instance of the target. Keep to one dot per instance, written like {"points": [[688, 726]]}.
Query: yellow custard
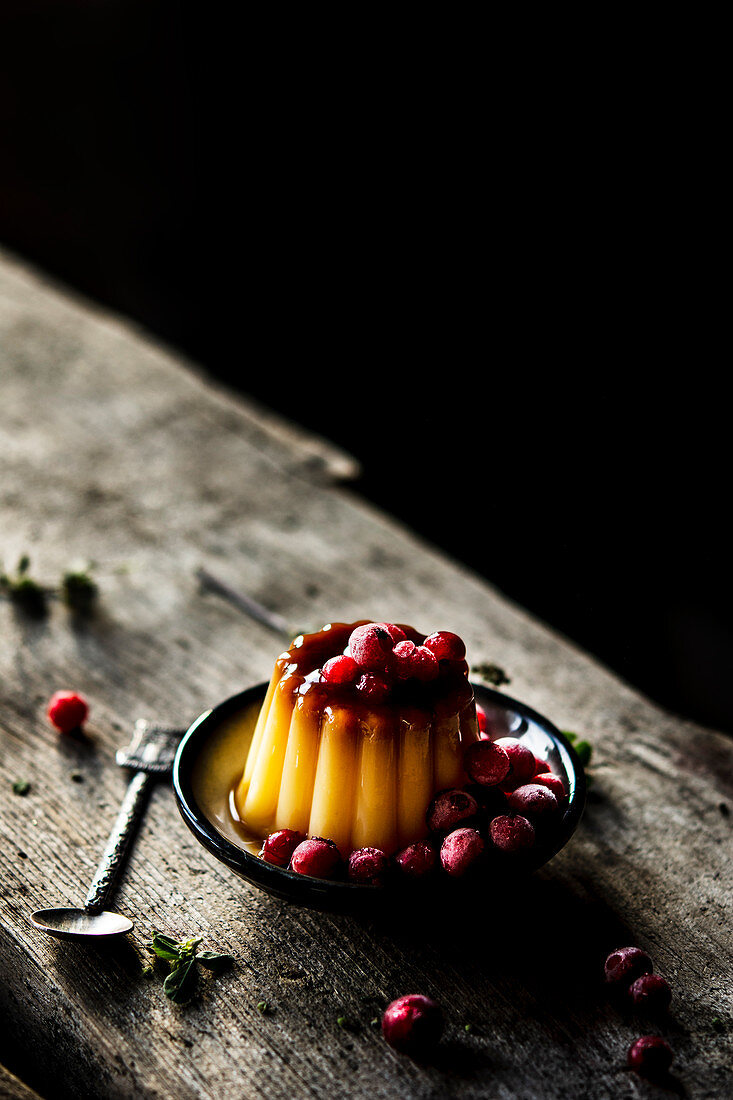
{"points": [[327, 763]]}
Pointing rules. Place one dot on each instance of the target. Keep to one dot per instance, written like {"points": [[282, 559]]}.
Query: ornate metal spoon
{"points": [[150, 753]]}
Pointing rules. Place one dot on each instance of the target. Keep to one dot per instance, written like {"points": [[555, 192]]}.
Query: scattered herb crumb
{"points": [[468, 1027], [264, 1007], [491, 673], [374, 1022], [180, 983], [76, 777], [21, 786], [724, 809], [78, 590], [22, 590]]}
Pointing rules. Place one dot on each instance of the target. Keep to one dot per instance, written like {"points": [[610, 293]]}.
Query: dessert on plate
{"points": [[361, 726]]}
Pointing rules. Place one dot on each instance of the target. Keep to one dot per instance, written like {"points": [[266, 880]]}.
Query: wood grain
{"points": [[114, 451]]}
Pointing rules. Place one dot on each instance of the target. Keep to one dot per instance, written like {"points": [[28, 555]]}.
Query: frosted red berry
{"points": [[651, 1055], [340, 670], [533, 800], [67, 710], [626, 964], [449, 809], [486, 762], [521, 760], [370, 646], [511, 833], [417, 860], [373, 688], [368, 866], [651, 992], [278, 847], [412, 661], [446, 646], [396, 633], [412, 1024], [317, 857], [541, 766], [460, 851], [553, 783]]}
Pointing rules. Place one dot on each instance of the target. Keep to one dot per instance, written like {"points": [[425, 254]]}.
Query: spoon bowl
{"points": [[79, 924]]}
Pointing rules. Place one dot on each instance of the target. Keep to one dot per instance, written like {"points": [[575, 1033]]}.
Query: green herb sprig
{"points": [[491, 673], [182, 956]]}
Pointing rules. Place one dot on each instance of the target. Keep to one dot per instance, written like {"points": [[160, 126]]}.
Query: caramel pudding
{"points": [[352, 747]]}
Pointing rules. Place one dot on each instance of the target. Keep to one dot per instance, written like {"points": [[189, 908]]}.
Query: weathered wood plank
{"points": [[111, 450]]}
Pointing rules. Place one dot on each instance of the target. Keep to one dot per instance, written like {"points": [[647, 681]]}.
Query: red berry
{"points": [[395, 632], [279, 847], [541, 767], [446, 646], [652, 992], [414, 662], [511, 833], [368, 866], [412, 1024], [373, 688], [553, 783], [626, 964], [460, 851], [340, 670], [521, 761], [370, 646], [450, 809], [67, 710], [486, 762], [317, 857], [650, 1055], [533, 799], [417, 860]]}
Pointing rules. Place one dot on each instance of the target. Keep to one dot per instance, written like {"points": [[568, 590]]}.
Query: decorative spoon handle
{"points": [[118, 844]]}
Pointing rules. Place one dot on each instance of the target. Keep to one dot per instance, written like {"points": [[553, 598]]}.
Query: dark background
{"points": [[497, 286]]}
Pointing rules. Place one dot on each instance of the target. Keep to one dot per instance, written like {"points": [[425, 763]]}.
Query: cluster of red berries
{"points": [[628, 972], [380, 655], [511, 796]]}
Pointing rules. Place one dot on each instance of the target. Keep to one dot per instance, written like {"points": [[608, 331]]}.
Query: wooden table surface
{"points": [[113, 451]]}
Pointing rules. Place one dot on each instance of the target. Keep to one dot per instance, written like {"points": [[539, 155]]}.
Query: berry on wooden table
{"points": [[412, 1024], [67, 710]]}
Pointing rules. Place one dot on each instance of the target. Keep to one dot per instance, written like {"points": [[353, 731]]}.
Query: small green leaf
{"points": [[215, 963], [21, 786], [179, 985], [165, 948], [584, 751], [572, 737]]}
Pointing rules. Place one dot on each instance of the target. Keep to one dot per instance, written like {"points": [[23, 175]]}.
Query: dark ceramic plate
{"points": [[213, 751]]}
